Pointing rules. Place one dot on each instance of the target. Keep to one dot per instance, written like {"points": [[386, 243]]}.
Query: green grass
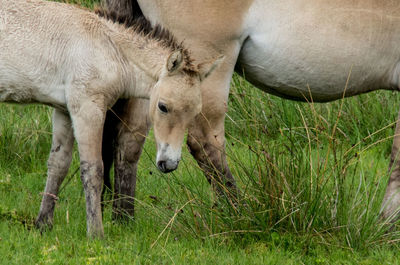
{"points": [[293, 214], [312, 176]]}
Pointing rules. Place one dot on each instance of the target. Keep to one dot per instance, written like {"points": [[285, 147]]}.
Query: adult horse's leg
{"points": [[109, 135], [391, 201], [57, 166], [206, 139], [132, 131], [121, 143]]}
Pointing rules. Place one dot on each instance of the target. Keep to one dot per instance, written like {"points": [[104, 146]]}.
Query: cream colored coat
{"points": [[81, 64], [297, 49]]}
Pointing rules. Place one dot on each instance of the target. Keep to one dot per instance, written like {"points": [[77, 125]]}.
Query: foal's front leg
{"points": [[88, 119], [57, 166]]}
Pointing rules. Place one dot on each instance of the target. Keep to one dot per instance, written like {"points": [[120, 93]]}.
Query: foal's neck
{"points": [[145, 58], [146, 54]]}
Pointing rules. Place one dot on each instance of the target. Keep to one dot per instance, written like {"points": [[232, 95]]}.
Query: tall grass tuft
{"points": [[314, 170]]}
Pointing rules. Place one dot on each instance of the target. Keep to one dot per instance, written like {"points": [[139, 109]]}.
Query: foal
{"points": [[81, 64]]}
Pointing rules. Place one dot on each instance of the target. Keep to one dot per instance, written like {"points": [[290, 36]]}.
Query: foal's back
{"points": [[45, 47]]}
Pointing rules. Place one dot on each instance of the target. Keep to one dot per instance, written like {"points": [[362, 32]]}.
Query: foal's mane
{"points": [[141, 25]]}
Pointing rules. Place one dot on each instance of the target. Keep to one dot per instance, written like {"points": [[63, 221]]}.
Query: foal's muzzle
{"points": [[167, 158], [167, 167]]}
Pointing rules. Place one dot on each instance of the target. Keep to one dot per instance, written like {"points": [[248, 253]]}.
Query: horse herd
{"points": [[129, 58]]}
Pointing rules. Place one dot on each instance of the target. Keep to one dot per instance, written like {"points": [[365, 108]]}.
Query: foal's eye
{"points": [[162, 107]]}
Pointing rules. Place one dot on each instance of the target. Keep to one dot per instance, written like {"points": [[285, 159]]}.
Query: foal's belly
{"points": [[25, 91], [298, 49]]}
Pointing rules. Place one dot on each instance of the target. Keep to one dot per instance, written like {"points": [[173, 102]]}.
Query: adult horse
{"points": [[296, 49]]}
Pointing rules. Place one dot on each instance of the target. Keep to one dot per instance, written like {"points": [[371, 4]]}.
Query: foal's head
{"points": [[175, 101], [176, 97]]}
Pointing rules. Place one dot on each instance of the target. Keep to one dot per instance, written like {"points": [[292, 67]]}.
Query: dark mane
{"points": [[141, 25]]}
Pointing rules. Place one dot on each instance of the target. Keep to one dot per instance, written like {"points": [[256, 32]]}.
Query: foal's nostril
{"points": [[162, 165]]}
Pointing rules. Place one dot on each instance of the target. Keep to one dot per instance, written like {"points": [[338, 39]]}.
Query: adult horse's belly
{"points": [[298, 49]]}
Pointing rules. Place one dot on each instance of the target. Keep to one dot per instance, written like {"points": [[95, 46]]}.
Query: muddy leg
{"points": [[57, 166], [206, 139], [132, 133], [88, 120], [391, 201], [208, 148]]}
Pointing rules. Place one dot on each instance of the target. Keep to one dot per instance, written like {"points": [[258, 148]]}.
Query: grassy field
{"points": [[313, 177]]}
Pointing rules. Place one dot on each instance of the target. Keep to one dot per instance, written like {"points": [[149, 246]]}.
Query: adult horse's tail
{"points": [[124, 8]]}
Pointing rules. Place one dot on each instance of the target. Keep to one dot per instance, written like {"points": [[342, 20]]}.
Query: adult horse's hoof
{"points": [[43, 224], [95, 232]]}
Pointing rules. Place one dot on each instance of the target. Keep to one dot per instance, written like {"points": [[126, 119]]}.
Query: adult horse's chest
{"points": [[294, 49]]}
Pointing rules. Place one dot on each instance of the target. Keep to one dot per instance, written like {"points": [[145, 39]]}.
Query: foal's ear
{"points": [[206, 68], [174, 61]]}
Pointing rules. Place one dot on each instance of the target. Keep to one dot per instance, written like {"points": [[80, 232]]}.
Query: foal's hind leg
{"points": [[57, 166], [132, 131], [391, 201]]}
